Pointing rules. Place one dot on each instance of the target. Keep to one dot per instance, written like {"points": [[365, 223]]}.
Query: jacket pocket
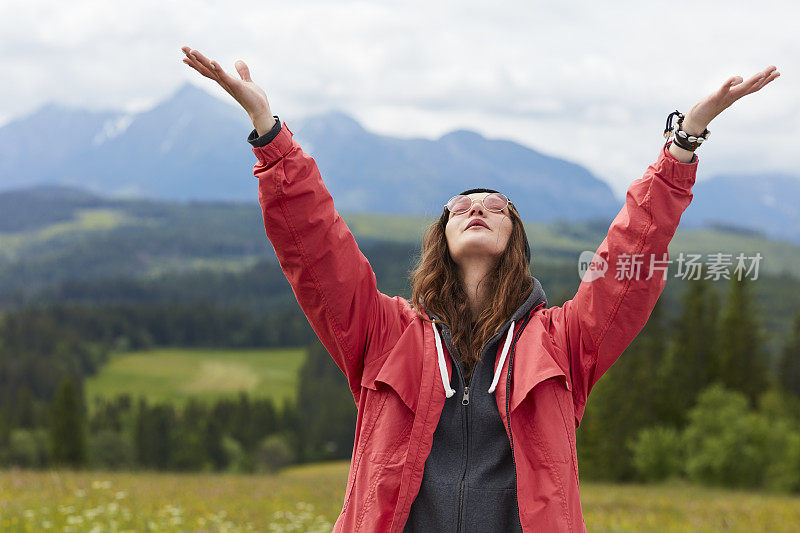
{"points": [[379, 480], [543, 419], [391, 425], [370, 408]]}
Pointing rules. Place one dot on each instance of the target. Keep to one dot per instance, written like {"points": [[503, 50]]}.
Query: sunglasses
{"points": [[494, 202]]}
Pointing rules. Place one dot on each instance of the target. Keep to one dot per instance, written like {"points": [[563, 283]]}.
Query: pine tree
{"points": [[163, 428], [742, 356], [325, 407], [691, 361], [142, 436], [25, 411], [189, 452], [789, 365], [212, 441], [241, 426], [68, 427], [623, 403]]}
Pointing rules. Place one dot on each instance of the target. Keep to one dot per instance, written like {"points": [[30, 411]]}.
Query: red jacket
{"points": [[394, 363]]}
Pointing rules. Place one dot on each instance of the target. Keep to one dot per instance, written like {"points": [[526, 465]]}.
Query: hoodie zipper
{"points": [[465, 403], [508, 396]]}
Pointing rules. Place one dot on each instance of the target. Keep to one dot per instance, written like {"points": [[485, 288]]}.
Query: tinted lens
{"points": [[458, 204], [495, 202]]}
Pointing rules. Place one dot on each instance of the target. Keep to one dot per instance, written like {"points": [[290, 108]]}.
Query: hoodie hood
{"points": [[535, 298]]}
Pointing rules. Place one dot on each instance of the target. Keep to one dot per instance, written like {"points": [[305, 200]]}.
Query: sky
{"points": [[590, 82]]}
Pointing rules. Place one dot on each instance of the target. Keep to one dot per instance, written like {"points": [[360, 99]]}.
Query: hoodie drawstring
{"points": [[449, 391], [509, 336]]}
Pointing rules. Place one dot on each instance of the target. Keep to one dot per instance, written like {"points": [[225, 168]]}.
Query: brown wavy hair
{"points": [[436, 286]]}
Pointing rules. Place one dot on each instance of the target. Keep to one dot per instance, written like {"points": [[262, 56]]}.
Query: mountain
{"points": [[382, 174], [40, 147], [192, 146], [769, 203]]}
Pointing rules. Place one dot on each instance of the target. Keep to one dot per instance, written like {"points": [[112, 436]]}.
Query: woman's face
{"points": [[467, 239]]}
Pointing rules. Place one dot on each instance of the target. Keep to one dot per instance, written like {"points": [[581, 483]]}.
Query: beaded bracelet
{"points": [[683, 139]]}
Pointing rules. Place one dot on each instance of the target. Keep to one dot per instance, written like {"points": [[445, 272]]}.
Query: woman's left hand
{"points": [[704, 111]]}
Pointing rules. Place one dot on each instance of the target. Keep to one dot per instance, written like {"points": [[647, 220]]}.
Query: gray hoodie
{"points": [[469, 482]]}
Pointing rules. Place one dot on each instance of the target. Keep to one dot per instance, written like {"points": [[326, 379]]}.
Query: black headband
{"points": [[527, 246]]}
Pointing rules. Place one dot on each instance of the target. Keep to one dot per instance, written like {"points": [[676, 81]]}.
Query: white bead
{"points": [[692, 138], [682, 133], [700, 140]]}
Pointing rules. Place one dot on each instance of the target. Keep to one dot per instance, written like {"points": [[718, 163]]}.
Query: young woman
{"points": [[469, 395]]}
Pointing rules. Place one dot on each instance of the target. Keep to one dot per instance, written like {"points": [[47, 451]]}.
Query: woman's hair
{"points": [[436, 286]]}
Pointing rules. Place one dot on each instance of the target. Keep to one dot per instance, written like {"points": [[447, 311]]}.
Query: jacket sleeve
{"points": [[330, 277], [606, 314]]}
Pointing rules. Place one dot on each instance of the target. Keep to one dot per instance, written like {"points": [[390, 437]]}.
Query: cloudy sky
{"points": [[588, 81]]}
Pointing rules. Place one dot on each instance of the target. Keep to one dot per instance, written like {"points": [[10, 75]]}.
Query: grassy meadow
{"points": [[308, 498], [175, 374]]}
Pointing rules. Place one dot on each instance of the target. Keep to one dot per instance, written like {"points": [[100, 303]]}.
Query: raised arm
{"points": [[607, 313], [331, 279], [596, 326]]}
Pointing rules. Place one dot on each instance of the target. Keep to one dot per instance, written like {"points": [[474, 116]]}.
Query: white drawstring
{"points": [[502, 357], [448, 391]]}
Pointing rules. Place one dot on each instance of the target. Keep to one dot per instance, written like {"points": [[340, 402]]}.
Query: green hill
{"points": [[80, 239], [175, 374], [93, 250]]}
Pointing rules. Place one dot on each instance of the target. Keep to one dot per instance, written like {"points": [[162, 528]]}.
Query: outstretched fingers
{"points": [[738, 88], [211, 66], [193, 60], [212, 69], [765, 80]]}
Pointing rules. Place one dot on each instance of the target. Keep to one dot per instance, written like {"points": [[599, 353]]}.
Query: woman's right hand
{"points": [[249, 95]]}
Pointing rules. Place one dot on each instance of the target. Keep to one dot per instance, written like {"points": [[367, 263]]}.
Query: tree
{"points": [[25, 411], [727, 442], [325, 408], [189, 452], [212, 441], [789, 364], [273, 453], [623, 403], [154, 435], [241, 425], [658, 453], [742, 358], [68, 425], [691, 363]]}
